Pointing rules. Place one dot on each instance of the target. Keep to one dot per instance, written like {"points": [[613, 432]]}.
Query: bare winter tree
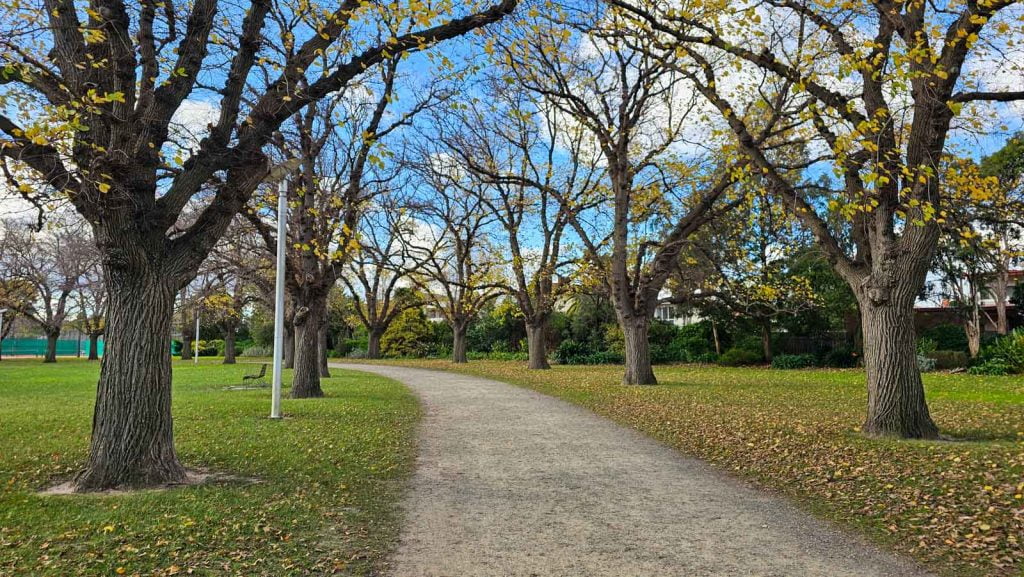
{"points": [[377, 273], [457, 267], [54, 263], [632, 111], [99, 88], [505, 134], [877, 85], [91, 301], [340, 145]]}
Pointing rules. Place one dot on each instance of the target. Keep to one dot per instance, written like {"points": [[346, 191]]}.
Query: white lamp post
{"points": [[282, 239], [195, 357], [279, 174]]}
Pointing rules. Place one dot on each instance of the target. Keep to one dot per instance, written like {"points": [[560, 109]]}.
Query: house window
{"points": [[665, 313]]}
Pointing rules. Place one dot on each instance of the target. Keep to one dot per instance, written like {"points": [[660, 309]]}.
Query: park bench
{"points": [[258, 379]]}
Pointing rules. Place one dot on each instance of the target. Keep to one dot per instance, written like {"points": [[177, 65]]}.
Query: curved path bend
{"points": [[513, 483]]}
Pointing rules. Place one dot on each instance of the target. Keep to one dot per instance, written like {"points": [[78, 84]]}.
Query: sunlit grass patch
{"points": [[329, 477]]}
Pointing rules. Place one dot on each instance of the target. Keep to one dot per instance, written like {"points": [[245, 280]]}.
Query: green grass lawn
{"points": [[955, 505], [330, 475]]}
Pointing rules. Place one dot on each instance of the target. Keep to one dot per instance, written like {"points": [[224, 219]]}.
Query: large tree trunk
{"points": [[972, 328], [896, 403], [638, 351], [51, 346], [132, 435], [306, 379], [289, 345], [459, 343], [373, 344], [325, 370], [714, 336], [94, 346], [1000, 292], [229, 344], [766, 339], [537, 343]]}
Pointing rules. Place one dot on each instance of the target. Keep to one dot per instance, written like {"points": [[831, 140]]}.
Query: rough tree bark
{"points": [[1000, 293], [289, 344], [972, 328], [229, 344], [134, 391], [373, 344], [94, 346], [51, 345], [766, 339], [537, 344], [459, 343], [638, 351], [306, 378], [896, 403]]}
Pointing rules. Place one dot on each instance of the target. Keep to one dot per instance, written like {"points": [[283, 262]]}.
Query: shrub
{"points": [[946, 360], [793, 361], [257, 351], [925, 364], [571, 352], [346, 346], [993, 367], [738, 357], [708, 357], [356, 354], [614, 339], [947, 337], [410, 335], [926, 346], [1007, 351], [603, 358], [206, 348], [839, 358], [750, 343], [692, 342]]}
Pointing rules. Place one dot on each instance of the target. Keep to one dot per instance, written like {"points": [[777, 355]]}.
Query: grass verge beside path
{"points": [[957, 506], [327, 501]]}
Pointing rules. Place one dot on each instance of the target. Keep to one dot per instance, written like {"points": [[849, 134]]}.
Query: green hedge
{"points": [[793, 361]]}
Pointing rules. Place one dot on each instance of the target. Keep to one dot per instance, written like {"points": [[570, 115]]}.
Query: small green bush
{"points": [[570, 352], [925, 364], [839, 358], [737, 357], [946, 360], [1005, 352], [257, 351], [947, 337], [992, 367], [793, 361], [703, 358], [926, 346]]}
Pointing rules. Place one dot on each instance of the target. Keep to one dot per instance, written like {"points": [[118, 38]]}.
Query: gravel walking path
{"points": [[510, 483]]}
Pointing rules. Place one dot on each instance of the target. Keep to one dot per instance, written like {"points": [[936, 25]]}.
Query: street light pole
{"points": [[195, 358], [282, 238]]}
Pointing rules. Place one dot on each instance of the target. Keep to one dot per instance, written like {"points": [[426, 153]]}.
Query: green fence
{"points": [[37, 347]]}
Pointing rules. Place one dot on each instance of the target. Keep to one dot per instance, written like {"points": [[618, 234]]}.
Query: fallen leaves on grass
{"points": [[956, 505]]}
